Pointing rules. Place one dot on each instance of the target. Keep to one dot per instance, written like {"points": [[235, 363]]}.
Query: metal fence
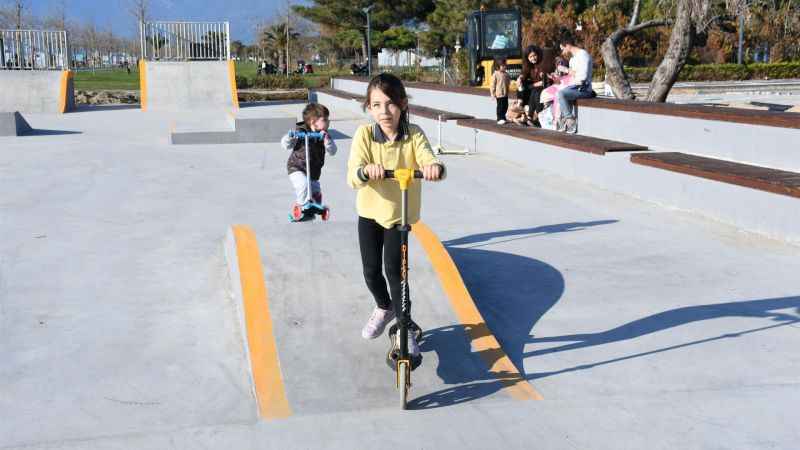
{"points": [[34, 50], [185, 41]]}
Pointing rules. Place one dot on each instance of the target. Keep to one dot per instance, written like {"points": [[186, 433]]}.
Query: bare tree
{"points": [[19, 5], [615, 73], [690, 24]]}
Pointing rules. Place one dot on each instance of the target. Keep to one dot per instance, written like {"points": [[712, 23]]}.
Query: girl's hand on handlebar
{"points": [[432, 172], [373, 171]]}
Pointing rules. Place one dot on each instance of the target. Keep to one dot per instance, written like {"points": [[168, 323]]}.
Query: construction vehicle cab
{"points": [[493, 34]]}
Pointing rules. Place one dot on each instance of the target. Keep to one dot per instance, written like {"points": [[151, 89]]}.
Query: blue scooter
{"points": [[311, 207]]}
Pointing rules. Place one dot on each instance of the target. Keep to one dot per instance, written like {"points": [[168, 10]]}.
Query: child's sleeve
{"points": [[359, 157], [288, 141], [423, 153], [330, 145]]}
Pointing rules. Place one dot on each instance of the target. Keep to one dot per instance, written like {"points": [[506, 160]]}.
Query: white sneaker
{"points": [[501, 122], [377, 323]]}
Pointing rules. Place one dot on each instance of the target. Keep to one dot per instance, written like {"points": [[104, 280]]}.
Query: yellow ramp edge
{"points": [[63, 104], [482, 339], [267, 379], [143, 85], [232, 78]]}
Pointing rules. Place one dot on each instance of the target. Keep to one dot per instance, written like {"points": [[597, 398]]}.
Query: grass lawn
{"points": [[119, 79], [107, 79]]}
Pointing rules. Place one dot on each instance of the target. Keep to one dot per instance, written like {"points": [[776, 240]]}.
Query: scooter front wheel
{"points": [[403, 382]]}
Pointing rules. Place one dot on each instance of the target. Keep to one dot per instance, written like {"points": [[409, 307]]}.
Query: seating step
{"points": [[756, 177], [578, 142]]}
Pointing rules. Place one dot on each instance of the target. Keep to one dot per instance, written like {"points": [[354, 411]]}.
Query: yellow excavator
{"points": [[491, 34]]}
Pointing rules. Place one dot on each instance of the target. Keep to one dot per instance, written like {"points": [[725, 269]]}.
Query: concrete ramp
{"points": [[318, 303], [37, 91], [188, 86], [250, 125], [13, 124]]}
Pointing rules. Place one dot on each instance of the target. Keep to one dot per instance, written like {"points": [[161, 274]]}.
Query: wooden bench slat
{"points": [[578, 142], [719, 113], [756, 177]]}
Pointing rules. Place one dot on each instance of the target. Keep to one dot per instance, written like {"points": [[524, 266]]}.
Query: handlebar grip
{"points": [[390, 174]]}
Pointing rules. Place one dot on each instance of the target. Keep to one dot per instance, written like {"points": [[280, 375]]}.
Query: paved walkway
{"points": [[641, 327]]}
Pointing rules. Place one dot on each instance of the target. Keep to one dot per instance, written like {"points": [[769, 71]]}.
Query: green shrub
{"points": [[277, 82], [715, 72]]}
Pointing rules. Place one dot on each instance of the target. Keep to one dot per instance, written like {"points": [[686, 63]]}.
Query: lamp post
{"points": [[369, 49]]}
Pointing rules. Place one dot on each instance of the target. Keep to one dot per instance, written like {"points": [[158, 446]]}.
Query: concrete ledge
{"points": [[13, 124], [187, 86], [36, 91]]}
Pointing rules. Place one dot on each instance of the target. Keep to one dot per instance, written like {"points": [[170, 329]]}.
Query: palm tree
{"points": [[273, 38]]}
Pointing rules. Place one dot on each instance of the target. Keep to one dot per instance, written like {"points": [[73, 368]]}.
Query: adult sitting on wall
{"points": [[580, 83], [536, 64]]}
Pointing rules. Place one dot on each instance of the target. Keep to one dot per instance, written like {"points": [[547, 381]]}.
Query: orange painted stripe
{"points": [[483, 341], [63, 104], [270, 392], [232, 78], [143, 84]]}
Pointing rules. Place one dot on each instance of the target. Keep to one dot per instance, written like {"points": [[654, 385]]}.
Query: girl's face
{"points": [[319, 124], [532, 57], [384, 111], [502, 67]]}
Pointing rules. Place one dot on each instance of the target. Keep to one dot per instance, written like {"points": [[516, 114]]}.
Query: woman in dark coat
{"points": [[533, 78]]}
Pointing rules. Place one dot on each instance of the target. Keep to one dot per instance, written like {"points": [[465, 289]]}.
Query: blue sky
{"points": [[242, 14]]}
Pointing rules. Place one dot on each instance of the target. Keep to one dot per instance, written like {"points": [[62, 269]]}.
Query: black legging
{"points": [[374, 241], [502, 108], [531, 96]]}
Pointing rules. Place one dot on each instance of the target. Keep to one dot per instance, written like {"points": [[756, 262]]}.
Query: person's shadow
{"points": [[513, 293]]}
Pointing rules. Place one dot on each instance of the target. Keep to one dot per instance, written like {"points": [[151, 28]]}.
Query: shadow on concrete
{"points": [[38, 132], [525, 233], [336, 134], [769, 309], [114, 107], [451, 345], [513, 293], [458, 365]]}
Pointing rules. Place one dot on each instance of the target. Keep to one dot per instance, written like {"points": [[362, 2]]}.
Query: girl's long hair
{"points": [[392, 87]]}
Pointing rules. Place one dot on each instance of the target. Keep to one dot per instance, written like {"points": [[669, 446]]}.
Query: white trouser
{"points": [[300, 183]]}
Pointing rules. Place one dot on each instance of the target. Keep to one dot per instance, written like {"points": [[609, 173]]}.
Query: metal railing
{"points": [[34, 50], [185, 41]]}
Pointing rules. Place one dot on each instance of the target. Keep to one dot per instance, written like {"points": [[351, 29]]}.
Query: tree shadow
{"points": [[769, 309], [513, 293], [525, 233]]}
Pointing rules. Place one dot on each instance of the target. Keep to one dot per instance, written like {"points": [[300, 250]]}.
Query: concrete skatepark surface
{"points": [[641, 327]]}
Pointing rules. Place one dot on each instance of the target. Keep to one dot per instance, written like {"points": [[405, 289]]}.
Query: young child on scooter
{"points": [[315, 119], [391, 142]]}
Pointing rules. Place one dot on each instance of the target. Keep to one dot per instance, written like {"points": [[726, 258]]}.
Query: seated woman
{"points": [[536, 63]]}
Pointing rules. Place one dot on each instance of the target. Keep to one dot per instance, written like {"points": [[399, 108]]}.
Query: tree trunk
{"points": [[615, 74], [364, 46], [680, 44]]}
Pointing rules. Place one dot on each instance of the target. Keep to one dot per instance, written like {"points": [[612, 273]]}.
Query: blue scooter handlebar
{"points": [[310, 134]]}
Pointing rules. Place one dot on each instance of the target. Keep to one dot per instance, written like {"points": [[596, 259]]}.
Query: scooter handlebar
{"points": [[310, 134], [390, 174]]}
